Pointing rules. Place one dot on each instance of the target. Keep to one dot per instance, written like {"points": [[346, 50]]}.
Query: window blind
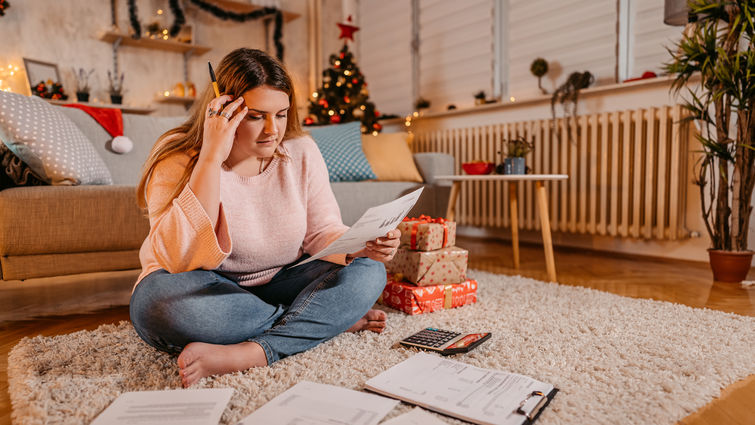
{"points": [[384, 55], [455, 51], [572, 35], [649, 37]]}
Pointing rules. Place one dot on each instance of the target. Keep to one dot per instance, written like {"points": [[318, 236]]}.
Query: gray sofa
{"points": [[70, 249]]}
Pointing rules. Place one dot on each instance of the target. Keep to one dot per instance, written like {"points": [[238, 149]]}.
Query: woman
{"points": [[234, 195]]}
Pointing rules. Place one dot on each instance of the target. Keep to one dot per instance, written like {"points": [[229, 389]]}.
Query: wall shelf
{"points": [[124, 108], [187, 101], [239, 6], [156, 44]]}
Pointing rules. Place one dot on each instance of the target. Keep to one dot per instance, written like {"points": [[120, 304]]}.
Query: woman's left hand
{"points": [[381, 249]]}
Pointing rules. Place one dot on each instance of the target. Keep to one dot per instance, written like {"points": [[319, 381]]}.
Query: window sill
{"points": [[598, 90]]}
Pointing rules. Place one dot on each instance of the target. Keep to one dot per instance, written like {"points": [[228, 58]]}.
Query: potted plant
{"points": [[539, 68], [514, 162], [116, 87], [718, 45], [82, 83]]}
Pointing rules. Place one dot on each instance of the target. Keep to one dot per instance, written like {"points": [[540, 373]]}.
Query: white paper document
{"points": [[308, 403], [190, 407], [416, 416], [374, 223], [482, 396]]}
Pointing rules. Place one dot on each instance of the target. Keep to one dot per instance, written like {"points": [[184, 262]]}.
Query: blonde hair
{"points": [[238, 72]]}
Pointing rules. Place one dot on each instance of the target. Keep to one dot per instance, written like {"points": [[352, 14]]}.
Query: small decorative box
{"points": [[412, 299], [426, 233], [439, 267]]}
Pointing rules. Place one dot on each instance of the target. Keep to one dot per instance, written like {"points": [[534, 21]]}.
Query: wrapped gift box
{"points": [[439, 267], [426, 234], [412, 299]]}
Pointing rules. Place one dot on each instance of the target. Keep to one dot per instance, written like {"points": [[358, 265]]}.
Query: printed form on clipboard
{"points": [[477, 395], [373, 224]]}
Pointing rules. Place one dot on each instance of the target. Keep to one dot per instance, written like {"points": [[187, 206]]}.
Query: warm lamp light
{"points": [[166, 93]]}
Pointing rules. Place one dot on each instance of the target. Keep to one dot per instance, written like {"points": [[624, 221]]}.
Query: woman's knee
{"points": [[156, 309], [371, 277]]}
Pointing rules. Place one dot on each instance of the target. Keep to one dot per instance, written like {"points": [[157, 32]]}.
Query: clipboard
{"points": [[534, 413], [456, 389]]}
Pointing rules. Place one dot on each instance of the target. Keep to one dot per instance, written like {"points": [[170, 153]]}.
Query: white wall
{"points": [[67, 33]]}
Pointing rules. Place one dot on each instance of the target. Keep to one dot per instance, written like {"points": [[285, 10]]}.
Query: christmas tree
{"points": [[343, 96]]}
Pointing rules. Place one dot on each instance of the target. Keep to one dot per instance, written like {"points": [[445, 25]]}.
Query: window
{"points": [[489, 45], [385, 55]]}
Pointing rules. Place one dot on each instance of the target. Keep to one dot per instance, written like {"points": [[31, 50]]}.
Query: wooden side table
{"points": [[542, 205]]}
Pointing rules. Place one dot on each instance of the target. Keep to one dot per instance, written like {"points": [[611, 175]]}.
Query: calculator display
{"points": [[467, 340]]}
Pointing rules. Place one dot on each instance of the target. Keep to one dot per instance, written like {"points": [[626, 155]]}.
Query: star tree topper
{"points": [[347, 30]]}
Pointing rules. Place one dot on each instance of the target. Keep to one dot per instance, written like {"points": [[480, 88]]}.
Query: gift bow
{"points": [[426, 219]]}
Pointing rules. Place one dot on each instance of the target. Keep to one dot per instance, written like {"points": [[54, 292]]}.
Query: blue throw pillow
{"points": [[341, 147]]}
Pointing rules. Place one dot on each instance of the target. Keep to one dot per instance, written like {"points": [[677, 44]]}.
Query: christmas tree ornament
{"points": [[347, 30], [4, 4]]}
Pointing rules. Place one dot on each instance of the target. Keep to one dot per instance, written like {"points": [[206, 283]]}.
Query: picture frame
{"points": [[37, 71]]}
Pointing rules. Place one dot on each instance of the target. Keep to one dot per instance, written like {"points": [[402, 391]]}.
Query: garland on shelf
{"points": [[179, 18], [225, 15], [243, 17], [4, 4], [134, 19]]}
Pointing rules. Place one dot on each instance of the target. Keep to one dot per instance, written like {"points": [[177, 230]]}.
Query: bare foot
{"points": [[199, 359], [373, 321]]}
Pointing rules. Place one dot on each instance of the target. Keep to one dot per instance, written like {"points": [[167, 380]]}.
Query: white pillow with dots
{"points": [[49, 142]]}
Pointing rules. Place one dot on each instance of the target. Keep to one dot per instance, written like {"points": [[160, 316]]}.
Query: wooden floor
{"points": [[676, 281]]}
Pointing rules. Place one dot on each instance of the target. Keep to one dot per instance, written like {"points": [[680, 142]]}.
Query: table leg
{"points": [[545, 225], [452, 201], [514, 214]]}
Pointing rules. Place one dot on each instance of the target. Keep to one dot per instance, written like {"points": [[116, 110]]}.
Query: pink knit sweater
{"points": [[265, 221]]}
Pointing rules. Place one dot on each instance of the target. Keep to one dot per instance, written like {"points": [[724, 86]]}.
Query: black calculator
{"points": [[444, 342]]}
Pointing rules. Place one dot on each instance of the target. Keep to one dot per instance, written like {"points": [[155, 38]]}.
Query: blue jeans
{"points": [[298, 309]]}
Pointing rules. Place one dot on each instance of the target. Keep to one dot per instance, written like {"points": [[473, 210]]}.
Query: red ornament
{"points": [[342, 55], [377, 114], [346, 99], [347, 30], [377, 126], [323, 102], [354, 81], [308, 121], [335, 119]]}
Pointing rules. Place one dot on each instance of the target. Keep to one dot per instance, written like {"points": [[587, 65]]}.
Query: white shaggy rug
{"points": [[615, 359]]}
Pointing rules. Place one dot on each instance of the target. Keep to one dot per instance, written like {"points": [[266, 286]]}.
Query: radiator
{"points": [[627, 172]]}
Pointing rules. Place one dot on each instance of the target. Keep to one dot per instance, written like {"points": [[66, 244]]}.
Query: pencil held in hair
{"points": [[214, 81]]}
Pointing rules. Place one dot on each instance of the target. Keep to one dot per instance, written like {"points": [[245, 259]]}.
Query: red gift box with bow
{"points": [[412, 299], [441, 266], [425, 233]]}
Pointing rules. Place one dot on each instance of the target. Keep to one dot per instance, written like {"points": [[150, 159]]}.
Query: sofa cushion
{"points": [[53, 220], [48, 142], [390, 157], [341, 147], [14, 172], [143, 130], [19, 267]]}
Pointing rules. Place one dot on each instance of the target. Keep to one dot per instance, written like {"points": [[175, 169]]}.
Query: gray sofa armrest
{"points": [[431, 164]]}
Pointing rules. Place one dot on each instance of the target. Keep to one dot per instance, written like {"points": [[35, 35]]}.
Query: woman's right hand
{"points": [[220, 128]]}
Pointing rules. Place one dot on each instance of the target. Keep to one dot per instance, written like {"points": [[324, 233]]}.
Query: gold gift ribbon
{"points": [[448, 297]]}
